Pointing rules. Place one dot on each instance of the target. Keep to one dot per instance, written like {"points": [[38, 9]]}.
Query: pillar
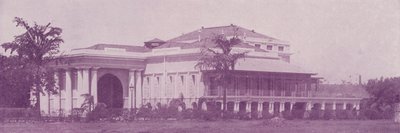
{"points": [[56, 99], [44, 103], [344, 105], [334, 105], [93, 86], [357, 106], [260, 107], [271, 107], [131, 90], [281, 106], [83, 85], [236, 107], [309, 106], [248, 106], [139, 89], [323, 106], [291, 106], [68, 92]]}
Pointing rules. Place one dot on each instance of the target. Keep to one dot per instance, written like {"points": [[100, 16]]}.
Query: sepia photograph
{"points": [[199, 66]]}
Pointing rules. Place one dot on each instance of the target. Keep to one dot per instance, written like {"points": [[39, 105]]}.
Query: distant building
{"points": [[128, 76]]}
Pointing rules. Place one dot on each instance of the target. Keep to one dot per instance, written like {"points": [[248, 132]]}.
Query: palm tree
{"points": [[38, 47], [221, 61]]}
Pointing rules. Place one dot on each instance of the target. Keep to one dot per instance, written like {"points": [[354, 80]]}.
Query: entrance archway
{"points": [[109, 91]]}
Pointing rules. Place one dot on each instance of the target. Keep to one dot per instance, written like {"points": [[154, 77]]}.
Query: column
{"points": [[344, 105], [138, 88], [83, 85], [260, 107], [281, 106], [271, 107], [309, 106], [291, 105], [68, 92], [93, 86], [236, 107], [248, 106], [334, 105], [79, 88], [357, 106], [85, 82], [56, 98], [131, 89], [323, 106]]}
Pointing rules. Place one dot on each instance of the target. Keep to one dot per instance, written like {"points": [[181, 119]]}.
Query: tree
{"points": [[221, 61], [37, 47], [384, 93], [15, 82]]}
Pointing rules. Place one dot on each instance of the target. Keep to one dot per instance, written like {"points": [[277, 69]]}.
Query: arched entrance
{"points": [[110, 91]]}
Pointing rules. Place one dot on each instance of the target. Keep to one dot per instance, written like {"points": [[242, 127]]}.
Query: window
{"points": [[158, 80], [280, 48], [257, 45], [269, 47]]}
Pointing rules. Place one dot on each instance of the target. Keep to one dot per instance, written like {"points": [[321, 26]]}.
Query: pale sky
{"points": [[338, 39]]}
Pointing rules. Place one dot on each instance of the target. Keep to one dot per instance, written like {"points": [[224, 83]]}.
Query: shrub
{"points": [[316, 114], [145, 112], [267, 115], [98, 113], [243, 115], [298, 114], [329, 114], [287, 115]]}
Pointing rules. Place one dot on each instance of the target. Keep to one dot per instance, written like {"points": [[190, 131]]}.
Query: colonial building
{"points": [[129, 76]]}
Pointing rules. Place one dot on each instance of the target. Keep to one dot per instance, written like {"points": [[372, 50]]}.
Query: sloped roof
{"points": [[341, 90], [205, 43], [227, 30], [268, 65], [156, 40], [247, 64], [128, 48]]}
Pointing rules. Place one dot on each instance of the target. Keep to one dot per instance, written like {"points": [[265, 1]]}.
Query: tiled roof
{"points": [[211, 31], [156, 40], [341, 90], [128, 48], [246, 64], [268, 65], [204, 43]]}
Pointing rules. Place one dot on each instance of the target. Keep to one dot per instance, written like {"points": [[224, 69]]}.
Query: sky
{"points": [[338, 39]]}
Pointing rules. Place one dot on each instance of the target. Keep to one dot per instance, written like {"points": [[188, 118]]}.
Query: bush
{"points": [[287, 115], [267, 115], [298, 114], [316, 114], [98, 113], [243, 115], [145, 112], [17, 113]]}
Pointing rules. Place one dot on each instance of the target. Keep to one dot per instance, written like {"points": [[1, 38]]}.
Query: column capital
{"points": [[82, 67], [95, 68]]}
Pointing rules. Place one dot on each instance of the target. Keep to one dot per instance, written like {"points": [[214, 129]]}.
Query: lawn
{"points": [[227, 126]]}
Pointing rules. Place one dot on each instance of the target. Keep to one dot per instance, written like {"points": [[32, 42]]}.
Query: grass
{"points": [[227, 126]]}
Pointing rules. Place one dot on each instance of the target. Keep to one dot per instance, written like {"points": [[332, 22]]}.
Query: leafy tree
{"points": [[384, 93], [37, 47], [15, 81], [221, 60]]}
